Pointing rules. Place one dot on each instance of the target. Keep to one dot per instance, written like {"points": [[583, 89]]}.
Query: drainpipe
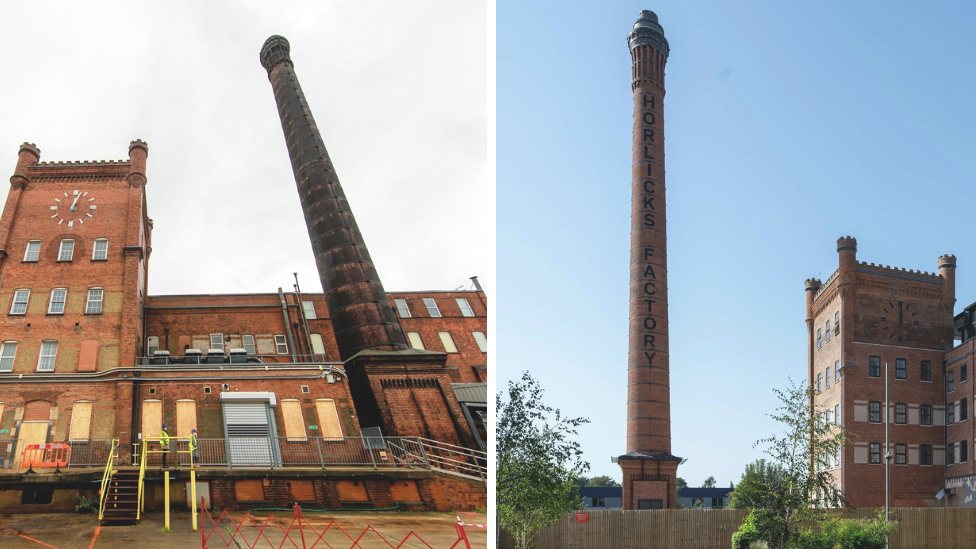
{"points": [[284, 314], [945, 432]]}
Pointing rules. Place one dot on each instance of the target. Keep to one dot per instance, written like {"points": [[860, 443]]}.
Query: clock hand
{"points": [[75, 202]]}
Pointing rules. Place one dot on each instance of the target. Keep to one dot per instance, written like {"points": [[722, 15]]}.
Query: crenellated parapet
{"points": [[910, 274]]}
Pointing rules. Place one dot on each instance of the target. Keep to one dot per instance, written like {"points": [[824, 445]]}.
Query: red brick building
{"points": [[863, 319], [348, 398]]}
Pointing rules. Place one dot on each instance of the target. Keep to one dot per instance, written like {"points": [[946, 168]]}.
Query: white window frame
{"points": [[89, 302], [249, 349], [220, 341], [152, 344], [402, 308], [481, 341], [8, 356], [465, 307], [416, 342], [25, 294], [47, 352], [281, 343], [36, 253], [95, 250], [308, 307], [432, 308], [63, 294], [448, 342], [66, 253]]}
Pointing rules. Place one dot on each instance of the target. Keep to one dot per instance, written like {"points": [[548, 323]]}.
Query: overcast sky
{"points": [[398, 90]]}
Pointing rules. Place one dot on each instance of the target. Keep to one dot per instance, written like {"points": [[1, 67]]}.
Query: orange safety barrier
{"points": [[45, 455], [296, 531]]}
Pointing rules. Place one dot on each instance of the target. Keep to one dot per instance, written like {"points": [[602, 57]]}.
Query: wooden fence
{"points": [[918, 528]]}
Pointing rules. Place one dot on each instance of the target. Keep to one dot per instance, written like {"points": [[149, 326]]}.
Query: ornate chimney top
{"points": [[274, 51], [648, 32]]}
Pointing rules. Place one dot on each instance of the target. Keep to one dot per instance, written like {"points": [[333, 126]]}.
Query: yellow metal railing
{"points": [[107, 478], [145, 451]]}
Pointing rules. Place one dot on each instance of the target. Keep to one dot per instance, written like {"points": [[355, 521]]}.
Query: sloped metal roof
{"points": [[471, 392]]}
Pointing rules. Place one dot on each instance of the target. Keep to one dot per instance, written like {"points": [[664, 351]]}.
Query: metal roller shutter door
{"points": [[250, 441]]}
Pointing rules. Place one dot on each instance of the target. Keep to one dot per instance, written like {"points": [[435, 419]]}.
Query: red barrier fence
{"points": [[230, 532], [45, 455]]}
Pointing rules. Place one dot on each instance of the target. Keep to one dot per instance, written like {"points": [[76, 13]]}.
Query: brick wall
{"points": [[440, 493], [893, 314]]}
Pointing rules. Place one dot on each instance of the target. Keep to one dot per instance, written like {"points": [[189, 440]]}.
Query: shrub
{"points": [[746, 533], [834, 533], [87, 505]]}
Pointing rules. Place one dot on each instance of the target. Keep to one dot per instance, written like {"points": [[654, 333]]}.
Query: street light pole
{"points": [[887, 456]]}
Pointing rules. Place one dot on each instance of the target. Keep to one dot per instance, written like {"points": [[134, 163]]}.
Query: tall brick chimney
{"points": [[361, 313], [649, 468]]}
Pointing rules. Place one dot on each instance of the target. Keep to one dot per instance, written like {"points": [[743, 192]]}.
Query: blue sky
{"points": [[787, 126]]}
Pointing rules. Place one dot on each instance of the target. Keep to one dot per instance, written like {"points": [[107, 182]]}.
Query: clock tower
{"points": [[74, 248], [870, 321]]}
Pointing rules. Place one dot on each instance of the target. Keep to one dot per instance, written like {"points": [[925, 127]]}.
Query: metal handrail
{"points": [[142, 476], [144, 456], [106, 478], [474, 462], [203, 360]]}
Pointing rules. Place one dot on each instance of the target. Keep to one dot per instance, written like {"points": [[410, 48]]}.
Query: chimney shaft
{"points": [[648, 365], [362, 317]]}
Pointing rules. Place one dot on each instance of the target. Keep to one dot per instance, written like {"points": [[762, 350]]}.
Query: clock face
{"points": [[898, 320], [77, 207]]}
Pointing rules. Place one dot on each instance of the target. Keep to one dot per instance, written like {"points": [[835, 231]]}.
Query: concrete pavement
{"points": [[71, 531]]}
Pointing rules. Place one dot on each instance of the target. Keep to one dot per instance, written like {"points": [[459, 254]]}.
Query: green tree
{"points": [[709, 483], [538, 463], [681, 484], [803, 451], [759, 479], [604, 481]]}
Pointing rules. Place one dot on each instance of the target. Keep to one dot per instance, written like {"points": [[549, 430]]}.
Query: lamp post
{"points": [[887, 456]]}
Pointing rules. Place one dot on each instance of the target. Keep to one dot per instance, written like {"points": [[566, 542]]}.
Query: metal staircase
{"points": [[121, 499]]}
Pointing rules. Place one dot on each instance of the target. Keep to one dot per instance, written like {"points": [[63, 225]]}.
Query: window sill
{"points": [[29, 261], [63, 261]]}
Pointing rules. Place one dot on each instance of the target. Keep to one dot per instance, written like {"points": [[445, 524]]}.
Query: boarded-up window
{"points": [[405, 490], [249, 490], [186, 417], [291, 411], [352, 490], [318, 347], [301, 490], [152, 418], [80, 421], [448, 342], [415, 341], [1, 412], [88, 357], [328, 418]]}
